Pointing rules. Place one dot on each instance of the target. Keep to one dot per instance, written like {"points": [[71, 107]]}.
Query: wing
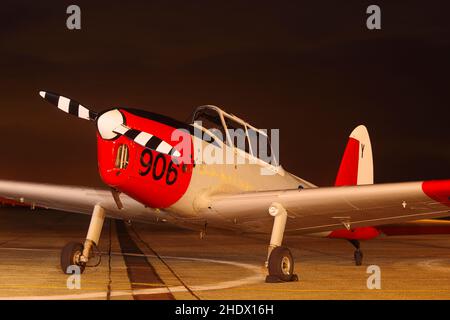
{"points": [[75, 199], [326, 209], [425, 226]]}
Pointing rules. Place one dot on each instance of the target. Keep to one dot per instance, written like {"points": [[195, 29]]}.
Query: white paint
{"points": [[29, 249], [109, 121], [121, 129], [365, 159], [83, 112], [257, 277], [164, 147], [279, 224], [438, 265], [273, 210], [142, 138], [63, 104], [95, 226]]}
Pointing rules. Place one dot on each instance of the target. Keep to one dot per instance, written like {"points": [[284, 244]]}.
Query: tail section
{"points": [[356, 169], [357, 163]]}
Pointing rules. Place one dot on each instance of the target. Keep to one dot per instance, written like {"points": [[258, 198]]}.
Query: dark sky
{"points": [[310, 68]]}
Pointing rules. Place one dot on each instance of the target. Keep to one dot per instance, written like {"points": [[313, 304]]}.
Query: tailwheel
{"points": [[358, 257], [70, 255], [281, 266]]}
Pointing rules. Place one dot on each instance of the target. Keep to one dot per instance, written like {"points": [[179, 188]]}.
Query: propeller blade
{"points": [[147, 140], [69, 106]]}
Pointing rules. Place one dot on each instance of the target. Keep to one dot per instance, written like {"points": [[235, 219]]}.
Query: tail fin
{"points": [[357, 163]]}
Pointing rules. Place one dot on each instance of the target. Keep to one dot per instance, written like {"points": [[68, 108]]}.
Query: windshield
{"points": [[210, 119]]}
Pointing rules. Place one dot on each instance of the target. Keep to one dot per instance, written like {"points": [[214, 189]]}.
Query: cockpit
{"points": [[235, 132]]}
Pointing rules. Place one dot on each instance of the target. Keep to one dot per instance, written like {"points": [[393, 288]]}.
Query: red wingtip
{"points": [[438, 190]]}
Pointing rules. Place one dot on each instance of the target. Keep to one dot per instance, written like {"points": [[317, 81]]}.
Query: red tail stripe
{"points": [[348, 171]]}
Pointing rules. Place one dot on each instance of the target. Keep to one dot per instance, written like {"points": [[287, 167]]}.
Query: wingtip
{"points": [[42, 94]]}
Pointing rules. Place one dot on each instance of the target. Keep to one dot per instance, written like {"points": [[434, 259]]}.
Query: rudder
{"points": [[357, 162]]}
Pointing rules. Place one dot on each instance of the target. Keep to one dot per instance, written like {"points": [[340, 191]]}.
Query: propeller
{"points": [[110, 124], [147, 140], [69, 106]]}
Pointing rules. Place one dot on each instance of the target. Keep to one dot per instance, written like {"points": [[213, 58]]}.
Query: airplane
{"points": [[152, 179]]}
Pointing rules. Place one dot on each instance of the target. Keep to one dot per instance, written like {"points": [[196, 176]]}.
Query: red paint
{"points": [[348, 171], [348, 176], [13, 203], [363, 233], [145, 189], [438, 190]]}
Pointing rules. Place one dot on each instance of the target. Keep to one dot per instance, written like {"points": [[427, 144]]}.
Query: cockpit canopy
{"points": [[235, 132]]}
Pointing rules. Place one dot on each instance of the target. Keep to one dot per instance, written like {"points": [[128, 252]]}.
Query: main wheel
{"points": [[281, 264], [358, 257], [69, 256]]}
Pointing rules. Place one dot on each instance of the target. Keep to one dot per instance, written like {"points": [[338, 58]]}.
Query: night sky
{"points": [[310, 68]]}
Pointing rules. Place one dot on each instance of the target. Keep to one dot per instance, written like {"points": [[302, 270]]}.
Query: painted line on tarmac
{"points": [[440, 265], [139, 268], [164, 262], [257, 277], [28, 249]]}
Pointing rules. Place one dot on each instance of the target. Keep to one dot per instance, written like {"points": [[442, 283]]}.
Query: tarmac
{"points": [[146, 261]]}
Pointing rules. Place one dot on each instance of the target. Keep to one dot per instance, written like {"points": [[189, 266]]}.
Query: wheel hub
{"points": [[76, 258], [286, 265]]}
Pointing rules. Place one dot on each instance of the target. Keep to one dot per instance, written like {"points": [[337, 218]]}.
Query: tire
{"points": [[68, 254], [281, 264]]}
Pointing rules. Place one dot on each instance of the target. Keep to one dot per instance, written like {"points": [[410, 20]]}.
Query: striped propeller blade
{"points": [[147, 140], [68, 106]]}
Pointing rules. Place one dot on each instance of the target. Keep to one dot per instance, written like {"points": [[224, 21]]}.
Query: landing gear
{"points": [[281, 266], [78, 254], [70, 255], [358, 254], [358, 257], [280, 262]]}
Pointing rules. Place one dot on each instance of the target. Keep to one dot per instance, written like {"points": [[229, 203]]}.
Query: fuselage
{"points": [[177, 187]]}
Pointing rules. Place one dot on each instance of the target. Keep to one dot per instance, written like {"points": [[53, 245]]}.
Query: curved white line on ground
{"points": [[28, 249], [440, 265], [255, 278]]}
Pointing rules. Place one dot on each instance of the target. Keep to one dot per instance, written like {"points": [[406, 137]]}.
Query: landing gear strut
{"points": [[358, 254], [77, 254], [279, 259]]}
